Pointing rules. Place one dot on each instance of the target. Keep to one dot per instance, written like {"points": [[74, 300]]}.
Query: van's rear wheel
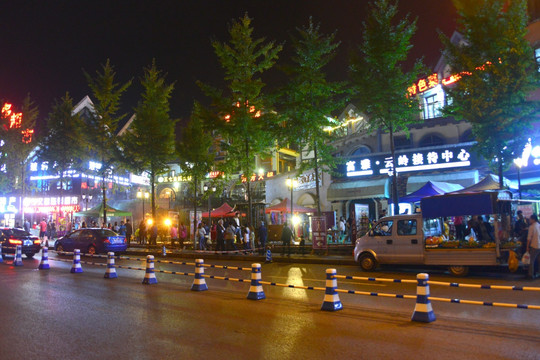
{"points": [[458, 270], [367, 262]]}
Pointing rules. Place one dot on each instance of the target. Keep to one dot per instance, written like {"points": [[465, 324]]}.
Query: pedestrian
{"points": [[83, 225], [174, 234], [220, 236], [142, 232], [116, 228], [153, 235], [263, 235], [129, 231], [460, 227], [286, 237], [27, 225], [246, 231], [182, 234], [520, 231], [230, 237], [342, 229], [201, 234], [533, 244], [122, 229]]}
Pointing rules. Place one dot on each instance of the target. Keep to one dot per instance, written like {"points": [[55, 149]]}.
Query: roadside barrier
{"points": [[110, 273], [199, 284], [150, 276], [331, 297], [17, 260], [268, 256], [44, 263], [76, 268], [255, 289], [1, 257], [422, 310]]}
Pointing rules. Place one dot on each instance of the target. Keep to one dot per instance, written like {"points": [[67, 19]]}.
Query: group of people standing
{"points": [[232, 236]]}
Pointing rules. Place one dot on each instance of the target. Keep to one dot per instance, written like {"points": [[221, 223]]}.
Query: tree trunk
{"points": [[500, 168], [395, 198], [153, 186], [104, 190], [195, 184], [318, 195], [248, 182]]}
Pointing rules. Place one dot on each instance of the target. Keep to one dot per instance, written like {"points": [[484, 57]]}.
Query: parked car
{"points": [[11, 237], [92, 241]]}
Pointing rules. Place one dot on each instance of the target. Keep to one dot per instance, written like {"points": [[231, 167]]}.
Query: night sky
{"points": [[47, 44]]}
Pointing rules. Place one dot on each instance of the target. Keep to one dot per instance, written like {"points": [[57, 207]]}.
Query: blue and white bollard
{"points": [[76, 267], [17, 259], [163, 251], [199, 284], [268, 256], [110, 273], [44, 263], [422, 310], [256, 291], [149, 276], [331, 297], [1, 257]]}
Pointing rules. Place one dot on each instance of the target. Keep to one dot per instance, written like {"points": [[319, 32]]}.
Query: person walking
{"points": [[26, 225], [122, 229], [174, 234], [129, 231], [153, 235], [201, 234], [533, 244], [263, 235], [220, 236], [286, 237], [230, 236], [142, 232], [182, 234]]}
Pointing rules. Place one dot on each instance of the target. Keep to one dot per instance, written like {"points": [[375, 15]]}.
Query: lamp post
{"points": [[292, 183], [206, 188], [143, 194], [519, 163], [86, 198]]}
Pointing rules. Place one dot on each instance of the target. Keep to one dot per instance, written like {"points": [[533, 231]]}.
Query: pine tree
{"points": [[498, 72], [379, 75], [194, 152], [150, 141], [309, 99], [62, 147], [102, 124], [241, 113]]}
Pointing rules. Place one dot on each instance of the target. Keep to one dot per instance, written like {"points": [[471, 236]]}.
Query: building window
{"points": [[402, 142], [362, 150], [431, 140], [432, 107]]}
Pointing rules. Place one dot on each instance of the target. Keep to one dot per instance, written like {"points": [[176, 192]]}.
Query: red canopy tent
{"points": [[285, 206], [224, 210]]}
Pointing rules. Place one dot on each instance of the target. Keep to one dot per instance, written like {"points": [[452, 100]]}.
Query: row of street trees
{"points": [[495, 63]]}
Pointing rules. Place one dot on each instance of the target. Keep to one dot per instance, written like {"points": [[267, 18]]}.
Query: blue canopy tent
{"points": [[466, 203], [430, 188]]}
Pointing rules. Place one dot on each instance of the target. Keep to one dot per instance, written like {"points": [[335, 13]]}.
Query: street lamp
{"points": [[143, 195], [206, 188], [519, 163], [86, 198], [292, 183]]}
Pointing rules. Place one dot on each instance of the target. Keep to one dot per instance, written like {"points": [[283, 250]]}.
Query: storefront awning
{"points": [[463, 178], [360, 189]]}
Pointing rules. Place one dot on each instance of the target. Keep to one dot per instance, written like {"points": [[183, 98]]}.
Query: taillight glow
{"points": [[37, 242], [106, 241], [15, 242]]}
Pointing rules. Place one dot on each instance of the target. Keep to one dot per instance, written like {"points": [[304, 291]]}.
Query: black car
{"points": [[11, 237]]}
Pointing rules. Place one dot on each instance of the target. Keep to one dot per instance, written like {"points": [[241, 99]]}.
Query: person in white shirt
{"points": [[533, 244]]}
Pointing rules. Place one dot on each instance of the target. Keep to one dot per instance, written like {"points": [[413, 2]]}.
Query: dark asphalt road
{"points": [[53, 314]]}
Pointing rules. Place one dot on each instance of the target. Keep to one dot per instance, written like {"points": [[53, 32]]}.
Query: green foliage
{"points": [[241, 113], [62, 147], [498, 73], [151, 139], [15, 153], [380, 80], [309, 99]]}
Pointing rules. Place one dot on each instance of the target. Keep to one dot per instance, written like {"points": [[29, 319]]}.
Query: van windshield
{"points": [[384, 228]]}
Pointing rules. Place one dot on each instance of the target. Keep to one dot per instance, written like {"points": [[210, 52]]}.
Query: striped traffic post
{"points": [[1, 257], [199, 284], [44, 263], [331, 297], [149, 276], [268, 256], [423, 311], [17, 260], [76, 267], [255, 289], [110, 273]]}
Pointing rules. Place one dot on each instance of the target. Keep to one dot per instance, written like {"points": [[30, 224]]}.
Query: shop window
{"points": [[362, 150], [431, 140]]}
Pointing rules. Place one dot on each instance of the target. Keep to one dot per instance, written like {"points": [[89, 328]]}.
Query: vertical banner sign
{"points": [[318, 229]]}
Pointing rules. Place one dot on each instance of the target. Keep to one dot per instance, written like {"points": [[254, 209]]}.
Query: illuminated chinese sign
{"points": [[172, 179], [15, 122], [424, 84], [51, 204], [259, 177], [7, 204], [420, 160], [307, 181]]}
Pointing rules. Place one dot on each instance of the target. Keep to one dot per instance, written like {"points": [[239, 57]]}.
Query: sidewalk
{"points": [[307, 258]]}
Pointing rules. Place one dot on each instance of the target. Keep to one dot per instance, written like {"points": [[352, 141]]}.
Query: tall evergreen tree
{"points": [[498, 72], [309, 99], [62, 147], [150, 143], [242, 114], [103, 122], [380, 78], [196, 157]]}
